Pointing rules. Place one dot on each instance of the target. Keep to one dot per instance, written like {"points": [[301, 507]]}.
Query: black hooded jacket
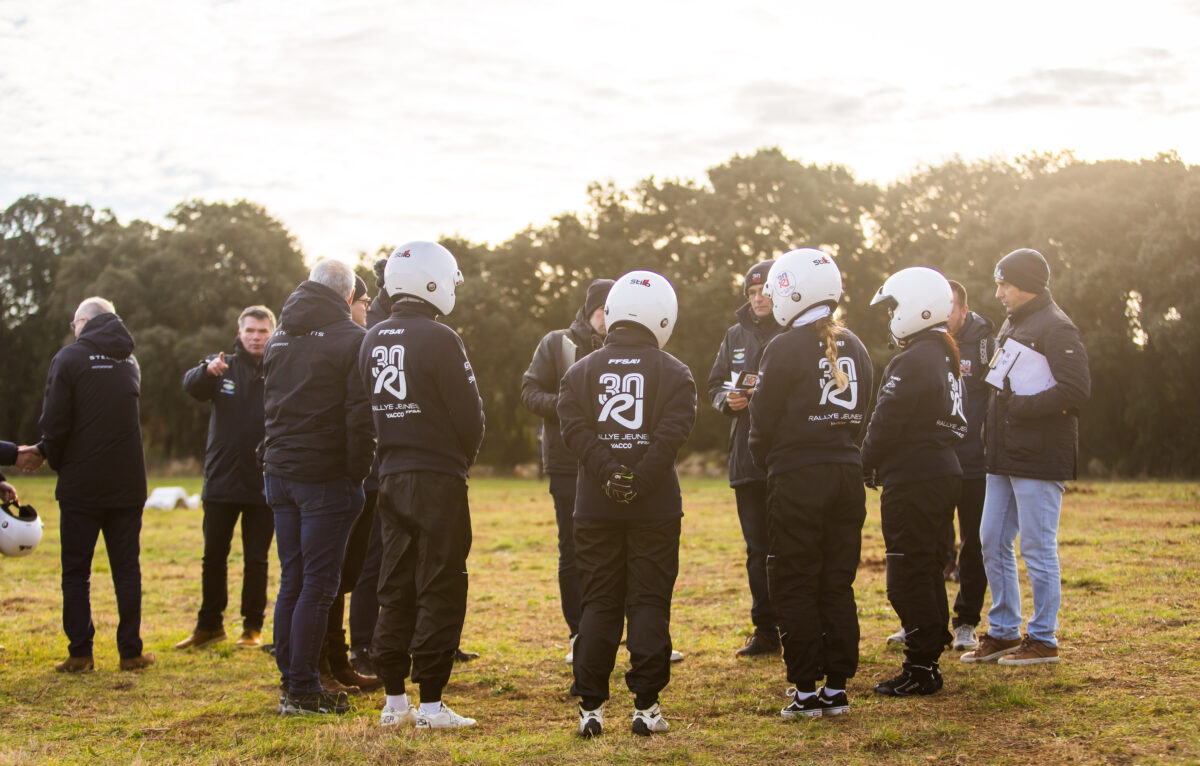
{"points": [[90, 430], [1037, 436], [976, 346], [318, 420], [740, 350], [235, 426], [556, 352], [424, 400], [628, 404], [918, 419]]}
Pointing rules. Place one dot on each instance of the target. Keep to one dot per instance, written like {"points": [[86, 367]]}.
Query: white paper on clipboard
{"points": [[1027, 370]]}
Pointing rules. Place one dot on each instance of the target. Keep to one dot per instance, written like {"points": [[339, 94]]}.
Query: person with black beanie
{"points": [[740, 352], [811, 403]]}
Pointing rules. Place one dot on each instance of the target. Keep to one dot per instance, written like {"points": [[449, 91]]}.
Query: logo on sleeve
{"points": [[622, 399]]}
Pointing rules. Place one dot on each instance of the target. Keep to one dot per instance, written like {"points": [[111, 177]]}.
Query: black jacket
{"points": [[918, 418], [1037, 437], [424, 401], [318, 421], [976, 347], [8, 455], [627, 404], [380, 309], [740, 350], [235, 427], [556, 352], [90, 430], [797, 417]]}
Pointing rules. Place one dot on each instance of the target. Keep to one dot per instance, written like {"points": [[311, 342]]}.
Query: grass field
{"points": [[1127, 690]]}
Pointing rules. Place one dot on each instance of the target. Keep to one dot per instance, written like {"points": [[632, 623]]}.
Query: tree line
{"points": [[1122, 238]]}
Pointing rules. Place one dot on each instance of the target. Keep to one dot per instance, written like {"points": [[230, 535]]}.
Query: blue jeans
{"points": [[312, 522], [1031, 507]]}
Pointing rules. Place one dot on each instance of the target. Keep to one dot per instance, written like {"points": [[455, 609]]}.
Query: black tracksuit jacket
{"points": [[426, 406], [235, 427], [797, 417], [554, 355], [918, 418], [1037, 437], [628, 404], [318, 421], [741, 350], [976, 347], [90, 430], [8, 455]]}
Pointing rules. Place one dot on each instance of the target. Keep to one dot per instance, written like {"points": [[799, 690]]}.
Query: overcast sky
{"points": [[373, 122]]}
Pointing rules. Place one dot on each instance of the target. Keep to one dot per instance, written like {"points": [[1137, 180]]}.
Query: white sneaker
{"points": [[964, 638], [649, 721], [444, 718], [676, 656], [390, 716], [897, 638], [591, 722], [571, 653]]}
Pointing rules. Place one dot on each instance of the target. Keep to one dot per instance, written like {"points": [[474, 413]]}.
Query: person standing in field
{"points": [[910, 449], [811, 403], [740, 352], [1032, 448], [92, 438], [233, 483], [625, 411], [429, 419]]}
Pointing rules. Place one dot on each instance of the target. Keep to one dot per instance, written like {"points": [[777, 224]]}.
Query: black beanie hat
{"points": [[360, 287], [1025, 269], [597, 294], [757, 275]]}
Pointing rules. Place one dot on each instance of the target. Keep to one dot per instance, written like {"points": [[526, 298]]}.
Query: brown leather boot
{"points": [[251, 639], [75, 665], [350, 677], [201, 638], [140, 662]]}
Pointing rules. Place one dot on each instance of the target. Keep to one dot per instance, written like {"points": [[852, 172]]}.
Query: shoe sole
{"points": [[791, 715], [964, 647], [1033, 661], [840, 710], [995, 656], [203, 644], [642, 730]]}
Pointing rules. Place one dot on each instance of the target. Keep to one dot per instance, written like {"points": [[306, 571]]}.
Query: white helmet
{"points": [[644, 298], [20, 532], [801, 279], [424, 270], [919, 298]]}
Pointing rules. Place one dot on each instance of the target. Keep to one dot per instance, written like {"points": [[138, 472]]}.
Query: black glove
{"points": [[619, 486], [869, 478], [378, 268]]}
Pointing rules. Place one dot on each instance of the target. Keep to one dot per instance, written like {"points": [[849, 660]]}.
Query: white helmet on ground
{"points": [[919, 298], [644, 298], [801, 279], [424, 270], [20, 529]]}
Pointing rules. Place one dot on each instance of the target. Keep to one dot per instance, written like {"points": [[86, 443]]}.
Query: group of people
{"points": [[347, 432]]}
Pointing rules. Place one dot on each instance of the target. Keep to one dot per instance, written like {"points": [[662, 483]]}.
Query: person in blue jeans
{"points": [[1032, 448], [317, 450]]}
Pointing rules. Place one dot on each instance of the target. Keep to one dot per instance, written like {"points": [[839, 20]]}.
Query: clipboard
{"points": [[742, 381], [1026, 370]]}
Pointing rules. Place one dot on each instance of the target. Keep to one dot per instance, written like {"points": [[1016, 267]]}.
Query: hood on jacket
{"points": [[764, 328], [108, 335], [312, 306], [975, 328], [582, 329]]}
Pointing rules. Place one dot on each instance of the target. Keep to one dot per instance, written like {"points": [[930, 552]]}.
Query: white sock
{"points": [[398, 702], [805, 695], [431, 708], [830, 692]]}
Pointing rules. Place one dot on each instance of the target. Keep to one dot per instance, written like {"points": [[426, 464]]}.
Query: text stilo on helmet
{"points": [[801, 279], [424, 270], [918, 297], [643, 298]]}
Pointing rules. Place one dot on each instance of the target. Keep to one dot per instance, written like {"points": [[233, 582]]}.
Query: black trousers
{"points": [[425, 526], [815, 518], [335, 649], [914, 516], [562, 489], [364, 599], [752, 513], [972, 579], [627, 570], [258, 529], [79, 529]]}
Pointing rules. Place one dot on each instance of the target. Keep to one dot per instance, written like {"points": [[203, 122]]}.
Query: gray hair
{"points": [[335, 275], [93, 307]]}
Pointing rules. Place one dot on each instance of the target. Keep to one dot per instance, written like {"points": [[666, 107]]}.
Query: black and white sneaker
{"points": [[913, 680], [835, 704], [591, 722], [649, 721], [801, 707], [321, 703]]}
